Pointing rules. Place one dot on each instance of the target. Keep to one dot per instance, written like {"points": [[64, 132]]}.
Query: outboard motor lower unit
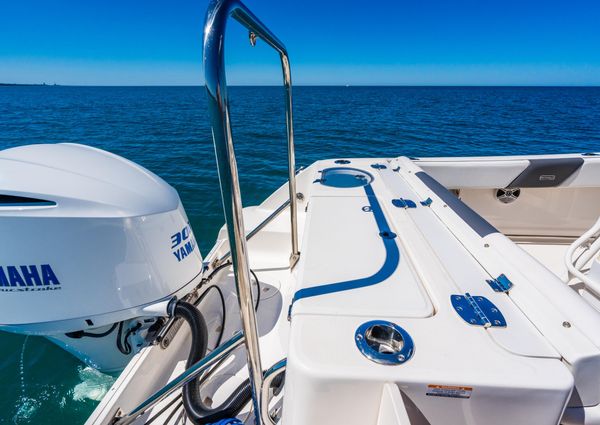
{"points": [[94, 246]]}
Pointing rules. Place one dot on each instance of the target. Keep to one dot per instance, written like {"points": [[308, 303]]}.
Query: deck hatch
{"points": [[392, 257], [477, 310]]}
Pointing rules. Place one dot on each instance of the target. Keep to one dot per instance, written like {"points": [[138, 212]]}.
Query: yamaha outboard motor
{"points": [[94, 247]]}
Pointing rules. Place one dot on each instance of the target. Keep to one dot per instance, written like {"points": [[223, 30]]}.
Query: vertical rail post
{"points": [[287, 82], [217, 16]]}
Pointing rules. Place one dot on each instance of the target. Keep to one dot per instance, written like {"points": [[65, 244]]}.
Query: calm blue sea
{"points": [[166, 129]]}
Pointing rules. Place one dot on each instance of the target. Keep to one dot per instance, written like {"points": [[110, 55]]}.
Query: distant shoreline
{"points": [[26, 85]]}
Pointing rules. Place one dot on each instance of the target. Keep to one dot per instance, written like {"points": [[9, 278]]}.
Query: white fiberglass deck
{"points": [[383, 240], [367, 258], [347, 261]]}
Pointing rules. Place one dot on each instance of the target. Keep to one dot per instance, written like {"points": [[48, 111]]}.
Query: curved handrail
{"points": [[216, 86], [270, 375], [213, 358], [218, 14], [574, 265]]}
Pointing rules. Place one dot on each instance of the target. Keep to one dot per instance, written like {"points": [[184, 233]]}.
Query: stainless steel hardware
{"points": [[218, 14], [508, 195], [384, 342], [206, 363], [257, 229], [270, 375]]}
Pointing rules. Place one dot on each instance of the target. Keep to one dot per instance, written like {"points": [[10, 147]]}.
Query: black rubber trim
{"points": [[474, 220], [547, 172], [12, 200]]}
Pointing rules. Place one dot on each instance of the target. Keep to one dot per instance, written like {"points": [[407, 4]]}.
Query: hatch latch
{"points": [[477, 311]]}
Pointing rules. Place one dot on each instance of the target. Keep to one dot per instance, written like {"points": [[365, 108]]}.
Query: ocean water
{"points": [[166, 129]]}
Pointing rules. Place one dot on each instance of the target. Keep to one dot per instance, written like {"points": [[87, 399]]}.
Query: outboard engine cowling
{"points": [[91, 243]]}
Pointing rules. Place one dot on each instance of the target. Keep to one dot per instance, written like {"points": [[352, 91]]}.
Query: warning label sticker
{"points": [[449, 391]]}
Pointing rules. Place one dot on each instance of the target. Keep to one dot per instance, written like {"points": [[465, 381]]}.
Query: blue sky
{"points": [[389, 42]]}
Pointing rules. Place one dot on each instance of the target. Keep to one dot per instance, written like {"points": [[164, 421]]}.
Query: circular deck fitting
{"points": [[345, 177], [386, 234], [384, 342]]}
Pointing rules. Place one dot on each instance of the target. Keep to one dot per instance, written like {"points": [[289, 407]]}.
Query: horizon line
{"points": [[304, 85]]}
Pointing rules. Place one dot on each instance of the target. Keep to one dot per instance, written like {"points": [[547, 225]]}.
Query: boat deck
{"points": [[384, 241]]}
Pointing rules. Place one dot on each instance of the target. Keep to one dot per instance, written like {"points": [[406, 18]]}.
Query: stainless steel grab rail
{"points": [[207, 362], [218, 14], [270, 375], [257, 229], [260, 226]]}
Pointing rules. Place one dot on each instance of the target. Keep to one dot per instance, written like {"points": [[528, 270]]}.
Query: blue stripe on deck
{"points": [[392, 259]]}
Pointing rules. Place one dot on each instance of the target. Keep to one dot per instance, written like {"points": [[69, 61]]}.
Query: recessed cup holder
{"points": [[384, 342]]}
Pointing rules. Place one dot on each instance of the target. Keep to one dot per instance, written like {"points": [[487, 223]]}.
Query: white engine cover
{"points": [[89, 239]]}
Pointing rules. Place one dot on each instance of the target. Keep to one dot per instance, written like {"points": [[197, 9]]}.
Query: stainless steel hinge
{"points": [[500, 284], [403, 203], [477, 310]]}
